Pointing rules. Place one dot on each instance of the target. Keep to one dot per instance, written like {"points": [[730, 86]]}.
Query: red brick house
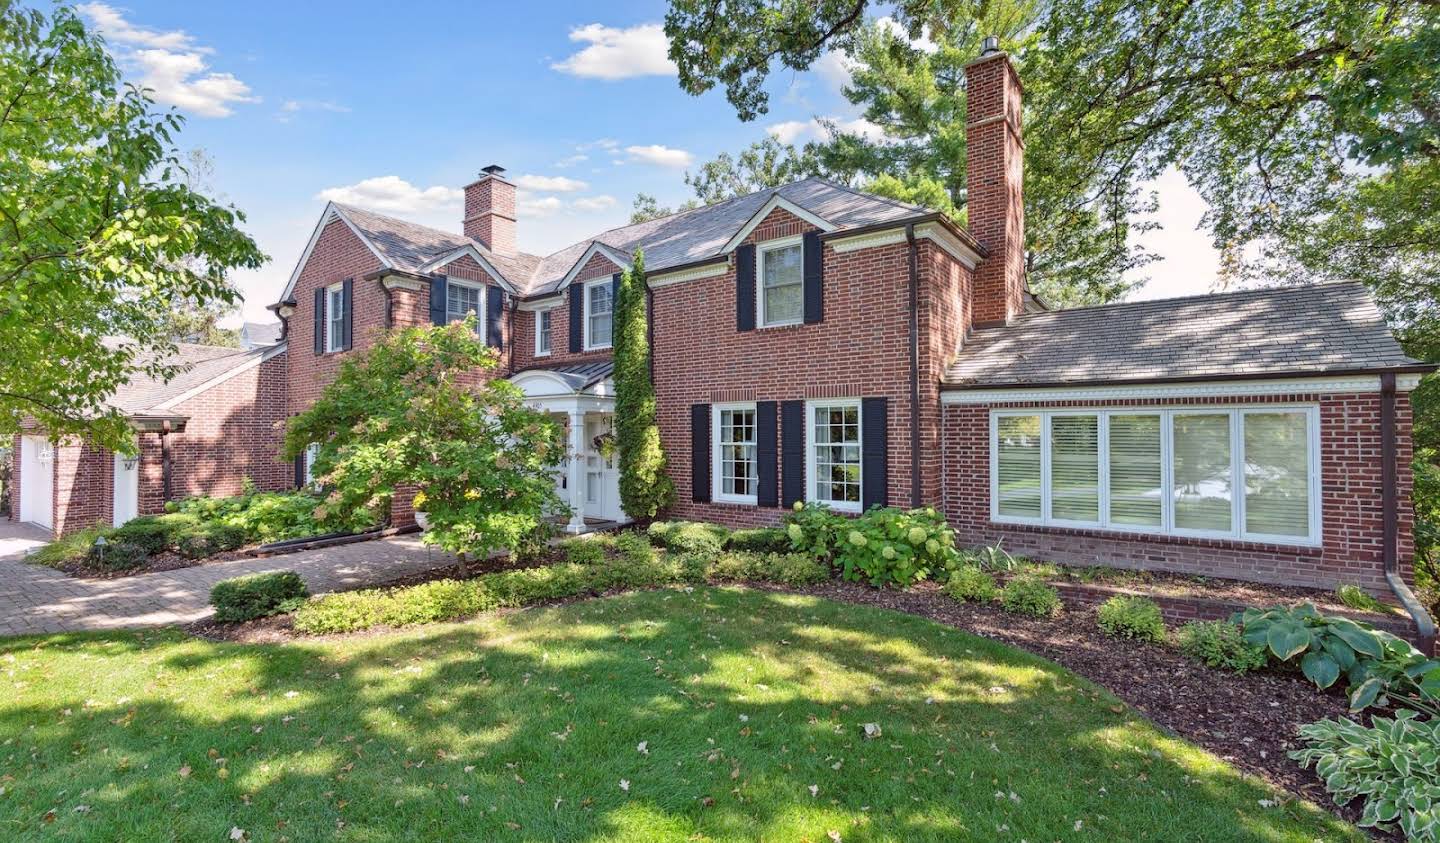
{"points": [[201, 433]]}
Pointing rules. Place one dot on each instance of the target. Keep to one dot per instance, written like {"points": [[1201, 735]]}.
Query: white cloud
{"points": [[615, 53], [572, 160], [835, 68], [796, 131], [550, 184], [662, 156], [290, 108], [393, 194], [528, 204], [170, 64], [594, 203], [923, 43]]}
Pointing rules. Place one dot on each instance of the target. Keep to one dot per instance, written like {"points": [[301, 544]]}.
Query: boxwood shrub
{"points": [[256, 595], [782, 568], [1024, 595], [1131, 616], [759, 540], [688, 536]]}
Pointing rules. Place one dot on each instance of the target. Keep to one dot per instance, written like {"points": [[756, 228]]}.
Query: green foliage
{"points": [[69, 550], [406, 412], [1358, 598], [118, 556], [101, 236], [1394, 766], [1220, 644], [889, 546], [207, 540], [759, 540], [266, 517], [583, 551], [154, 533], [688, 536], [793, 569], [815, 529], [1128, 616], [634, 547], [970, 584], [1024, 595], [1379, 668], [256, 595], [645, 488], [992, 558]]}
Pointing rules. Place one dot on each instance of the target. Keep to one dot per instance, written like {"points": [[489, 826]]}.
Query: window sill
{"points": [[590, 348], [1276, 543]]}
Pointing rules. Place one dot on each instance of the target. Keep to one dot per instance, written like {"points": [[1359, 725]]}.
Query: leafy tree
{"points": [[647, 207], [762, 165], [100, 235], [645, 488], [409, 413]]}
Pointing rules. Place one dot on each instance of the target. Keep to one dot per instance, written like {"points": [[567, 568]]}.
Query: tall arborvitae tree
{"points": [[645, 488]]}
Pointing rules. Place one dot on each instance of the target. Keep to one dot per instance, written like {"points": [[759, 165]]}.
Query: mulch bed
{"points": [[1158, 584], [155, 564]]}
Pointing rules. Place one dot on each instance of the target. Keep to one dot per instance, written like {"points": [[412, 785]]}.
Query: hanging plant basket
{"points": [[605, 445]]}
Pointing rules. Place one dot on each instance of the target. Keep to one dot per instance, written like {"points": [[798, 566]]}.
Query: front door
{"points": [[602, 475], [126, 501]]}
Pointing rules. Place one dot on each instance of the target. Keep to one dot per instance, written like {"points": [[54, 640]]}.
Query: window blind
{"points": [[1202, 472], [1019, 466], [1277, 473], [1075, 468], [1136, 471]]}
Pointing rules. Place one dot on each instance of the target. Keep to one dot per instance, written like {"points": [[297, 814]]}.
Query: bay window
{"points": [[1244, 473]]}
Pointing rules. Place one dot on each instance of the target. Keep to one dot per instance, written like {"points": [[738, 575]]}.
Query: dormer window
{"points": [[461, 300], [780, 296], [598, 313]]}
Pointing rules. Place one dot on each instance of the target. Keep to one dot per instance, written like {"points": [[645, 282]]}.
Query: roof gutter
{"points": [[1390, 514], [912, 255], [908, 222], [1414, 369]]}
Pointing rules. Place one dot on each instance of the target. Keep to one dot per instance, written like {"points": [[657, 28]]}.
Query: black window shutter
{"points": [[300, 471], [874, 436], [494, 312], [700, 453], [813, 253], [792, 452], [614, 299], [577, 313], [766, 454], [320, 321], [745, 287], [437, 300], [347, 300]]}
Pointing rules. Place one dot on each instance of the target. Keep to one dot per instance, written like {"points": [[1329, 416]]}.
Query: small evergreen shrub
{"points": [[759, 540], [1126, 616], [208, 540], [580, 551], [783, 568], [155, 533], [1358, 598], [633, 548], [1024, 595], [970, 584], [256, 595], [432, 602], [344, 611], [119, 556], [688, 536], [1220, 644]]}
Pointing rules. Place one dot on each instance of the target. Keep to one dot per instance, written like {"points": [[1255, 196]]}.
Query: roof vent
{"points": [[990, 45], [493, 170]]}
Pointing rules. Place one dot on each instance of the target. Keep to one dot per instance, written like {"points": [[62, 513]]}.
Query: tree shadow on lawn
{"points": [[750, 707]]}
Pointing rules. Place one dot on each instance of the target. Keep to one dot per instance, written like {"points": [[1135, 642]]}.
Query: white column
{"points": [[577, 471]]}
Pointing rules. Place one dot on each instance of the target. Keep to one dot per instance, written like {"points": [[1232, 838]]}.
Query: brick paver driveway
{"points": [[34, 598]]}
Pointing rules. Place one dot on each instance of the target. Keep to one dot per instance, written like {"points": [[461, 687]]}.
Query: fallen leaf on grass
{"points": [[625, 785]]}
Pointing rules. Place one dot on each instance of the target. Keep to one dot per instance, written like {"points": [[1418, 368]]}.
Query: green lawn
{"points": [[750, 708]]}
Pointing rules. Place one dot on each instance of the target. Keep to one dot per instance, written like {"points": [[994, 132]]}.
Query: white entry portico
{"points": [[582, 398]]}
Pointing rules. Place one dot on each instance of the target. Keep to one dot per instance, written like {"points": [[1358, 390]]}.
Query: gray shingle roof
{"points": [[675, 240], [1314, 328], [143, 395]]}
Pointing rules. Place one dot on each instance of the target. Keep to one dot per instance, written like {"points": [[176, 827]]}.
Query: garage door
{"points": [[37, 481]]}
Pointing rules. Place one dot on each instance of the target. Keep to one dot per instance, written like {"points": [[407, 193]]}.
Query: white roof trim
{"points": [[953, 246], [474, 253], [614, 255], [332, 212], [680, 276], [548, 302], [1168, 391], [776, 201], [269, 352]]}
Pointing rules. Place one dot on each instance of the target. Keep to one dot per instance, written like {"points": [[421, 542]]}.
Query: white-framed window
{"points": [[1249, 473], [780, 282], [334, 317], [598, 312], [735, 465], [463, 298], [832, 464], [542, 333]]}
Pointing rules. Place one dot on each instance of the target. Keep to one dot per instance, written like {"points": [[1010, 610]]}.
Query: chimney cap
{"points": [[492, 170], [990, 45]]}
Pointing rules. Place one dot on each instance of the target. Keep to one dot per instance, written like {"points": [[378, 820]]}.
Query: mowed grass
{"points": [[721, 714]]}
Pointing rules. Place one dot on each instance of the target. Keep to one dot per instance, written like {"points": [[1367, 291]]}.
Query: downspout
{"points": [[1390, 504], [650, 332], [914, 365], [166, 463]]}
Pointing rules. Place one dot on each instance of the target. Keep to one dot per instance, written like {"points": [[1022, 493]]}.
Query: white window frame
{"points": [[810, 471], [334, 314], [762, 250], [585, 307], [481, 303], [1167, 527], [717, 475], [544, 347]]}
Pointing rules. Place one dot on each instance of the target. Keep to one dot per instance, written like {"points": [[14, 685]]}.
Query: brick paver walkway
{"points": [[34, 598]]}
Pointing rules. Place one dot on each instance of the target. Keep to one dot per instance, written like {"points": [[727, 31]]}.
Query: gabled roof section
{"points": [[204, 366], [1312, 329], [613, 255], [776, 202]]}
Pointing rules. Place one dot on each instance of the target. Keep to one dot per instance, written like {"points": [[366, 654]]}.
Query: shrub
{"points": [[814, 529], [1358, 598], [119, 556], [889, 546], [431, 602], [208, 540], [1024, 595], [759, 540], [992, 558], [1393, 765], [256, 595], [266, 516], [587, 551], [69, 550], [1127, 616], [688, 536], [345, 611], [634, 548], [782, 568], [155, 533], [969, 584], [1219, 644]]}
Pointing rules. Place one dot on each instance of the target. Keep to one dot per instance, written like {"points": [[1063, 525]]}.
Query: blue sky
{"points": [[396, 106]]}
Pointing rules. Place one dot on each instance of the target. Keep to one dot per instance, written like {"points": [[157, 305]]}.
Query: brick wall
{"points": [[598, 266], [84, 479], [1351, 506], [994, 176]]}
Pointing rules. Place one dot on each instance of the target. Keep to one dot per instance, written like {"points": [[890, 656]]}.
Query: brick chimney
{"points": [[994, 178], [490, 210]]}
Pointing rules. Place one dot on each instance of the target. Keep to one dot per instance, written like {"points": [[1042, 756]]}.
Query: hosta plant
{"points": [[1394, 766]]}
